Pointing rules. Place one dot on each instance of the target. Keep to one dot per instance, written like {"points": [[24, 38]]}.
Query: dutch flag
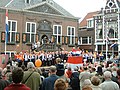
{"points": [[7, 27], [113, 45]]}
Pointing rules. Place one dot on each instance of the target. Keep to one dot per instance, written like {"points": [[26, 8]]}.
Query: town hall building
{"points": [[32, 21]]}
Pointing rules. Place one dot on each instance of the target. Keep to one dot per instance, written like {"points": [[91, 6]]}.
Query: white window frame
{"points": [[31, 29], [71, 36], [88, 42], [10, 30], [9, 53], [57, 34], [90, 23]]}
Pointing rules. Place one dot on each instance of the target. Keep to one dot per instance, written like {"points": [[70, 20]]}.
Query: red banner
{"points": [[75, 59]]}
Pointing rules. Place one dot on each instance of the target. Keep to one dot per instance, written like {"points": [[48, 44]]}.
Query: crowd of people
{"points": [[95, 73], [48, 58]]}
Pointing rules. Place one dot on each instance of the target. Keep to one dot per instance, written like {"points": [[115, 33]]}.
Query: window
{"points": [[12, 30], [31, 31], [112, 29], [71, 34], [90, 23], [86, 40], [27, 1], [57, 31], [99, 31]]}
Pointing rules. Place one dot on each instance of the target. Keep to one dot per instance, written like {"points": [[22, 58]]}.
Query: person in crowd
{"points": [[48, 83], [93, 71], [44, 72], [8, 74], [108, 84], [78, 51], [114, 74], [101, 56], [32, 78], [118, 75], [3, 83], [114, 71], [26, 60], [90, 57], [87, 87], [60, 67], [74, 80], [68, 72], [23, 67], [60, 85], [84, 75], [80, 69], [17, 85], [73, 51], [95, 83], [87, 82], [100, 73]]}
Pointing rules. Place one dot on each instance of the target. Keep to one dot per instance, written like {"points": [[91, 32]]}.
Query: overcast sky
{"points": [[79, 8]]}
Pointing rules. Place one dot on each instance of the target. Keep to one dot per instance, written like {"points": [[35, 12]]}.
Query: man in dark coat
{"points": [[48, 83]]}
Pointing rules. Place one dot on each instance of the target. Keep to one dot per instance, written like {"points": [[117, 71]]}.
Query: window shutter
{"points": [[17, 37], [63, 39], [66, 40], [28, 38], [55, 39], [24, 37], [76, 40], [3, 36]]}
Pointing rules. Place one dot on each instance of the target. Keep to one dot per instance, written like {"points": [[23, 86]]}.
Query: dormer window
{"points": [[27, 1], [90, 23]]}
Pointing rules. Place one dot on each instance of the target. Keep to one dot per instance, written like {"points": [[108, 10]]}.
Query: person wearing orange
{"points": [[19, 58]]}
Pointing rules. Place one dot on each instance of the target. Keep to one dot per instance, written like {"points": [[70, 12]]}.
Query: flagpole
{"points": [[107, 42], [6, 36], [6, 21]]}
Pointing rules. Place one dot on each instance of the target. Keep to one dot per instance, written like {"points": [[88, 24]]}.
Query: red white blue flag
{"points": [[113, 45], [7, 27]]}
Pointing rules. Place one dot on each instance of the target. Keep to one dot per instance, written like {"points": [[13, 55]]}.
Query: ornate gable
{"points": [[45, 8], [111, 4]]}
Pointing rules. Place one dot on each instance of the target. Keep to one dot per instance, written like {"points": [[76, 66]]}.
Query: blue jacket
{"points": [[48, 83]]}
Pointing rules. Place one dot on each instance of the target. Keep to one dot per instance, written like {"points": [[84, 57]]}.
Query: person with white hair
{"points": [[108, 84], [32, 78]]}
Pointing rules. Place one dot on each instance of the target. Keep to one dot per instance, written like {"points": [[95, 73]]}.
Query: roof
{"points": [[21, 5], [83, 23]]}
